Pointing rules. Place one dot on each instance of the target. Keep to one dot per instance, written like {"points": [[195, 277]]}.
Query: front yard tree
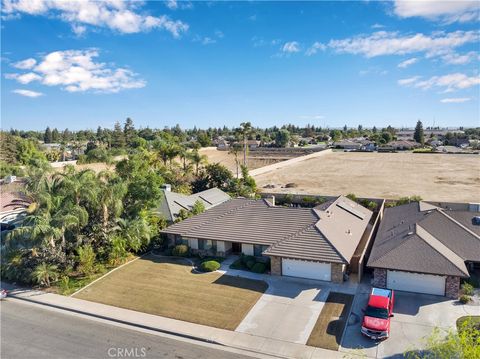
{"points": [[246, 130], [282, 139], [418, 134]]}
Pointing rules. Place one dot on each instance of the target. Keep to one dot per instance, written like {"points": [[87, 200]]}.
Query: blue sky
{"points": [[87, 64]]}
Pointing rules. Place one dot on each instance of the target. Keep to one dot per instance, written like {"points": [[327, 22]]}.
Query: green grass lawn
{"points": [[167, 287], [328, 330]]}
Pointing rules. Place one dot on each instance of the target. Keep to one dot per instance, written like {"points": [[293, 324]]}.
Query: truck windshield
{"points": [[377, 312]]}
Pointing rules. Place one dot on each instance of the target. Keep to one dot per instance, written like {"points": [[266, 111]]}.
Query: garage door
{"points": [[303, 269], [415, 282]]}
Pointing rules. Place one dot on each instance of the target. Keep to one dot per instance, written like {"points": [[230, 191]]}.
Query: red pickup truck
{"points": [[376, 322]]}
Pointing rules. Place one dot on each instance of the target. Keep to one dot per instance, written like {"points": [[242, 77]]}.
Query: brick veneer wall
{"points": [[452, 286], [276, 265], [379, 277], [337, 273]]}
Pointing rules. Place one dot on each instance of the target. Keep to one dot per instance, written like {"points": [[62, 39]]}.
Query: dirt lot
{"points": [[167, 287], [228, 160], [442, 177]]}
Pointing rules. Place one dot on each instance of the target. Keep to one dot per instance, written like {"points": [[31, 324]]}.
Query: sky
{"points": [[84, 64]]}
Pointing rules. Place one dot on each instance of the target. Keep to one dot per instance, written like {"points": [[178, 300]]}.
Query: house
{"points": [[425, 249], [223, 145], [173, 202], [314, 243], [427, 133], [252, 144], [403, 145], [347, 145]]}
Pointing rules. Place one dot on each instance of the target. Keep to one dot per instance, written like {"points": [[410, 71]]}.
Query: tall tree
{"points": [[418, 134], [118, 137], [129, 131], [47, 137], [246, 130]]}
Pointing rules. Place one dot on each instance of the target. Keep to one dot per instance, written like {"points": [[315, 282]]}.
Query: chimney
{"points": [[271, 200]]}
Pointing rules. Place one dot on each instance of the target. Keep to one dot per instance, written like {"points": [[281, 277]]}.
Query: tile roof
{"points": [[294, 232], [173, 202], [422, 239]]}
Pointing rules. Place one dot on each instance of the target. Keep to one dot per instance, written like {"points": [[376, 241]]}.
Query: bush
{"points": [[250, 264], [181, 250], [210, 266], [467, 289], [237, 264], [465, 299], [259, 268], [245, 259]]}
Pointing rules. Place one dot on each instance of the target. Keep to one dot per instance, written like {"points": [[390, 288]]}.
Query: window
{"points": [[207, 244], [180, 240], [258, 250]]}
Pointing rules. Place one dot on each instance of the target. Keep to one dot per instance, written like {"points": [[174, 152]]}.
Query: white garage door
{"points": [[416, 282], [303, 269]]}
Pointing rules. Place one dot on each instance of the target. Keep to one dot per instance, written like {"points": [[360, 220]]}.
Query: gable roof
{"points": [[173, 202], [289, 231], [422, 239]]}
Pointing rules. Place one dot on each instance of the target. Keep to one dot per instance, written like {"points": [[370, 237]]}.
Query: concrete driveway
{"points": [[416, 315]]}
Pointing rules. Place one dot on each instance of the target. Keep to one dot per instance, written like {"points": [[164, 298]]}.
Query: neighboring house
{"points": [[347, 145], [223, 145], [13, 201], [425, 249], [368, 145], [427, 133], [173, 202], [252, 144], [315, 243], [403, 145]]}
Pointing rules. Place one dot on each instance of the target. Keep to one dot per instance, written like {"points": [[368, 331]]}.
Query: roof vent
{"points": [[476, 220], [349, 232], [409, 233]]}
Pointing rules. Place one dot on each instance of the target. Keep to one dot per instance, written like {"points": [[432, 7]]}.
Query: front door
{"points": [[236, 247]]}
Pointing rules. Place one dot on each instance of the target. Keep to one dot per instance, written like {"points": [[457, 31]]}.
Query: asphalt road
{"points": [[33, 332]]}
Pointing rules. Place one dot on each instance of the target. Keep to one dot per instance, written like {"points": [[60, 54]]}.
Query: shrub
{"points": [[465, 299], [86, 260], [180, 251], [237, 264], [250, 264], [209, 266], [245, 259], [467, 289], [259, 268]]}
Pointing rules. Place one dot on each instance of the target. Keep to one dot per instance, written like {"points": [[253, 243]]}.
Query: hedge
{"points": [[210, 266]]}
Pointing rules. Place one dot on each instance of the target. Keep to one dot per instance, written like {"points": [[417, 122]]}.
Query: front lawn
{"points": [[167, 287], [328, 330]]}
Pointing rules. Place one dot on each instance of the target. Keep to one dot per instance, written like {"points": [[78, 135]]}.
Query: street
{"points": [[33, 332]]}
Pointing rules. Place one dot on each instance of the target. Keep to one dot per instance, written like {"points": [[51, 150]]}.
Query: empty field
{"points": [[442, 177]]}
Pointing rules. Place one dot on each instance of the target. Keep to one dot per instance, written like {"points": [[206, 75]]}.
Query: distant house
{"points": [[368, 145], [425, 249], [223, 145], [315, 243], [347, 145], [252, 144], [173, 202], [439, 134], [403, 145]]}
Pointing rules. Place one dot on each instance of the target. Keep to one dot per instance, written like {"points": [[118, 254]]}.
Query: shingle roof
{"points": [[173, 202], [427, 241], [290, 231]]}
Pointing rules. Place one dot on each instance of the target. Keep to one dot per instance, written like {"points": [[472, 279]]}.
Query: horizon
{"points": [[218, 64]]}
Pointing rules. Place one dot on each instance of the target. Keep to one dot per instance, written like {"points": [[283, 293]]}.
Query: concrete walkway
{"points": [[238, 340]]}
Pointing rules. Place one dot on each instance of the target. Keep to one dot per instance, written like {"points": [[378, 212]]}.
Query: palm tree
{"points": [[79, 187], [246, 130], [110, 196], [136, 232], [235, 150], [45, 273], [184, 156], [197, 160]]}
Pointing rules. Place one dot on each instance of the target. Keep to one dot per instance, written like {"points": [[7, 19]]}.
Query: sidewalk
{"points": [[237, 340]]}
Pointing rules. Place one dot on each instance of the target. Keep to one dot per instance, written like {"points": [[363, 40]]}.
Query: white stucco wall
{"points": [[193, 243], [247, 249]]}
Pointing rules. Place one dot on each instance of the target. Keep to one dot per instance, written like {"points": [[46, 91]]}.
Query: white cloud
{"points": [[312, 50], [377, 26], [208, 41], [392, 43], [291, 47], [458, 59], [449, 83], [172, 4], [25, 64], [447, 11], [117, 15], [27, 93], [455, 100], [408, 81], [76, 71], [406, 63], [219, 34]]}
